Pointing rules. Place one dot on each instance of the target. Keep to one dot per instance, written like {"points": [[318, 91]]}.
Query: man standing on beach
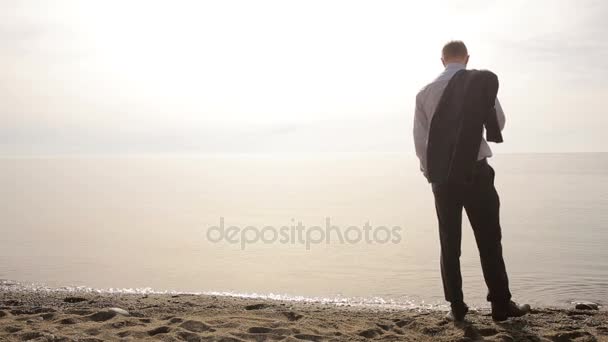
{"points": [[457, 103]]}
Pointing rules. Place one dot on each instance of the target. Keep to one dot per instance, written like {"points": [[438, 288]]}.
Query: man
{"points": [[477, 196]]}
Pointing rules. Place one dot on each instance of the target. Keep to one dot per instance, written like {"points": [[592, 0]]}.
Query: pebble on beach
{"points": [[586, 306]]}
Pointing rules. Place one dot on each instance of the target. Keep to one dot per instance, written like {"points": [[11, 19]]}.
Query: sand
{"points": [[75, 316]]}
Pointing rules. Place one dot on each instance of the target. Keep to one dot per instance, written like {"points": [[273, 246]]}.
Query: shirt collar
{"points": [[450, 70], [455, 66]]}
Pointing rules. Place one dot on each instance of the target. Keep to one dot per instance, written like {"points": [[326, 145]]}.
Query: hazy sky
{"points": [[288, 76]]}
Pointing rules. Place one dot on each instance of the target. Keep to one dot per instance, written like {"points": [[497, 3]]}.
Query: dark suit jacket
{"points": [[466, 106]]}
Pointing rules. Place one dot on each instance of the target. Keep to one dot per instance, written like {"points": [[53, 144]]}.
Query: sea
{"points": [[355, 229]]}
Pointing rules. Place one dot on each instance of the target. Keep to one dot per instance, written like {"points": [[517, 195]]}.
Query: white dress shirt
{"points": [[426, 103]]}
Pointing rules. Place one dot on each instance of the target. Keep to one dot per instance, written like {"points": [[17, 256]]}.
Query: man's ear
{"points": [[442, 61], [466, 61]]}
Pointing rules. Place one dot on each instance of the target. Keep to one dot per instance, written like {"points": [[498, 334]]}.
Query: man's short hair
{"points": [[454, 48]]}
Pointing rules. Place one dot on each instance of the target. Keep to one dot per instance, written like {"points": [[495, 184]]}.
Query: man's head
{"points": [[454, 52]]}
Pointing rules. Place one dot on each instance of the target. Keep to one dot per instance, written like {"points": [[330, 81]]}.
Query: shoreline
{"points": [[90, 316]]}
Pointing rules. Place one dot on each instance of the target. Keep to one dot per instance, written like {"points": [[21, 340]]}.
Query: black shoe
{"points": [[501, 312], [457, 312]]}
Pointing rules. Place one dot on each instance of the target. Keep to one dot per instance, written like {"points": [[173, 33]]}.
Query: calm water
{"points": [[142, 222]]}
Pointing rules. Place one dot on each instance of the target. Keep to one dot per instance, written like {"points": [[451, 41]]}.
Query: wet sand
{"points": [[90, 317]]}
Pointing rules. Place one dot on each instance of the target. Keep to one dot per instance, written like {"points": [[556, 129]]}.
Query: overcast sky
{"points": [[288, 76]]}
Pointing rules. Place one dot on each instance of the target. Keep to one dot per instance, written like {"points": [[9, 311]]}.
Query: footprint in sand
{"points": [[12, 329], [402, 322], [74, 299], [384, 326], [159, 330], [259, 330], [68, 321], [292, 316], [195, 326], [175, 320], [309, 337], [124, 333], [370, 333], [48, 316], [102, 316], [92, 331], [256, 306]]}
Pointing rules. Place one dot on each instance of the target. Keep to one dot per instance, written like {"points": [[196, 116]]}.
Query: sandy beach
{"points": [[86, 316]]}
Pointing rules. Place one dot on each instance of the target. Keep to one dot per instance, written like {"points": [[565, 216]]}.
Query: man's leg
{"points": [[482, 206], [448, 205]]}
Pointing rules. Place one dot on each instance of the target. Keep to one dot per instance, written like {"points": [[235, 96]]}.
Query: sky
{"points": [[286, 76]]}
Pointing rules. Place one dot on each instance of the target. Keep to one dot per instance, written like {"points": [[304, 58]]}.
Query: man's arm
{"points": [[421, 133], [500, 115]]}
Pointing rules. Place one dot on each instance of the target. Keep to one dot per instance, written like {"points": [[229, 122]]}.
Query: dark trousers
{"points": [[481, 203]]}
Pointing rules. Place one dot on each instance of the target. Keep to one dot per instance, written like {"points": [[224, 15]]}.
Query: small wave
{"points": [[379, 302]]}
